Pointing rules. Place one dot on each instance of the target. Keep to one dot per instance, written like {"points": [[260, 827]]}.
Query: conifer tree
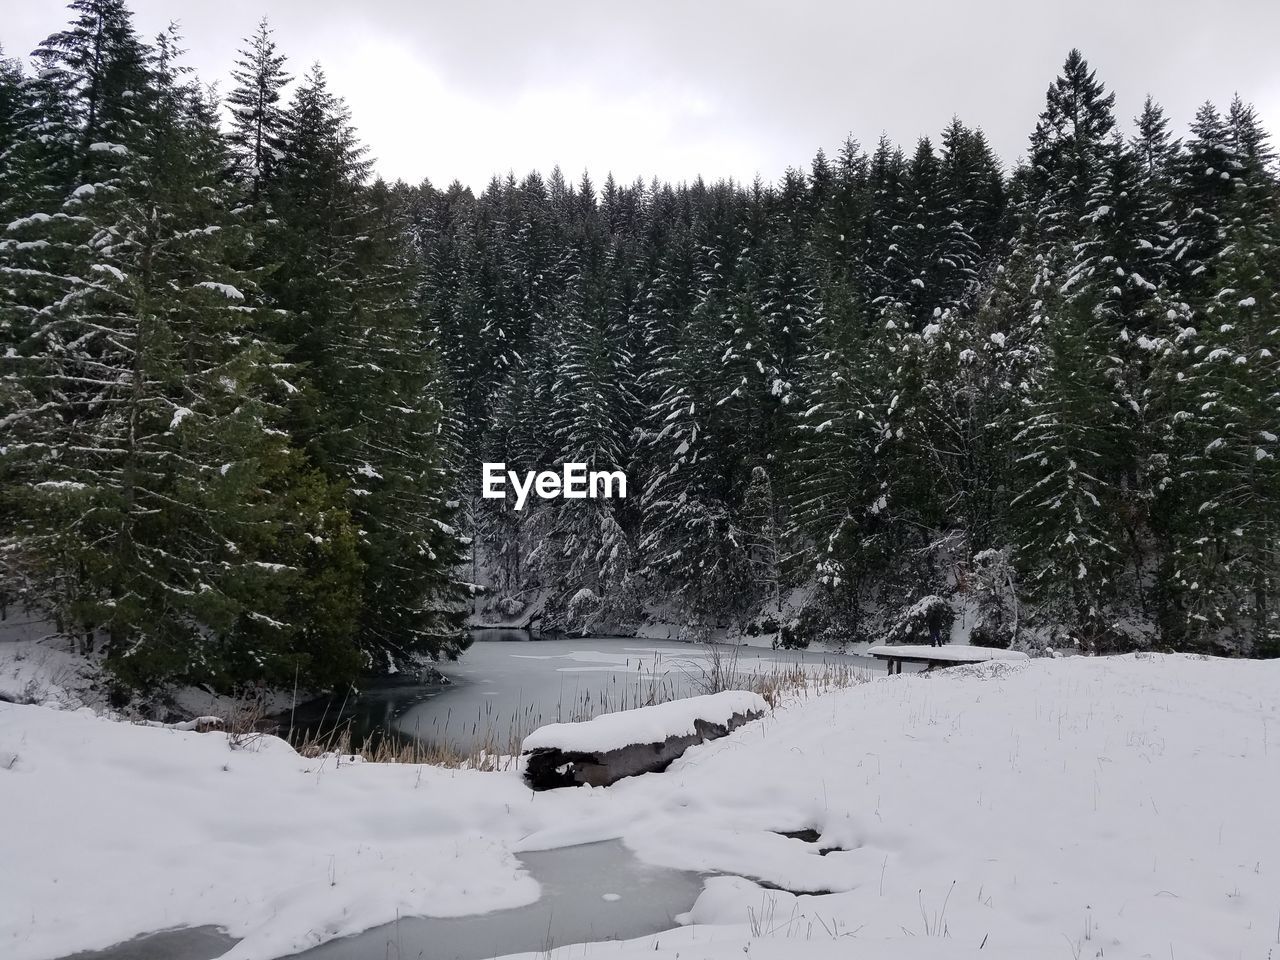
{"points": [[155, 479], [257, 117], [1223, 564], [385, 392], [1202, 192], [349, 289], [14, 105], [689, 535], [583, 549], [972, 200], [837, 497], [1070, 444], [885, 263], [762, 541]]}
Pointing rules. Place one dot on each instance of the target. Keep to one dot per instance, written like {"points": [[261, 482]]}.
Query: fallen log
{"points": [[605, 749]]}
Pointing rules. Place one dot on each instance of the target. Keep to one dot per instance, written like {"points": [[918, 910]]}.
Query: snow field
{"points": [[1120, 808]]}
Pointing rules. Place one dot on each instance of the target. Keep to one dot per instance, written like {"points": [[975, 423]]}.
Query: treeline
{"points": [[1050, 396], [245, 392], [222, 444]]}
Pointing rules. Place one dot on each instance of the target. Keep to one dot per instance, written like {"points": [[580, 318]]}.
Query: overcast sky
{"points": [[464, 90]]}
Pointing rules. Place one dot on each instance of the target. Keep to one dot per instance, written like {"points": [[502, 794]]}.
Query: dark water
{"points": [[190, 943], [592, 892], [572, 909], [368, 714]]}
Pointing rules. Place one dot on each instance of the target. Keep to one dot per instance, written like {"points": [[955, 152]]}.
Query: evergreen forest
{"points": [[247, 387]]}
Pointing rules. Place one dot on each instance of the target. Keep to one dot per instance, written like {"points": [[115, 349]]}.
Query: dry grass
{"points": [[393, 749], [796, 683], [245, 721], [784, 682]]}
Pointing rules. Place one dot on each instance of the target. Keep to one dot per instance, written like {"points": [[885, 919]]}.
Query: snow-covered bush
{"points": [[509, 606], [582, 609], [793, 635], [992, 587], [914, 624]]}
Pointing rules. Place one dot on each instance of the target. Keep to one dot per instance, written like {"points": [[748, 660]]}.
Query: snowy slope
{"points": [[1119, 808]]}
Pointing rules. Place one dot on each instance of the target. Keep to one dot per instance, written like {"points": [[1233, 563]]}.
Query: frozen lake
{"points": [[507, 684]]}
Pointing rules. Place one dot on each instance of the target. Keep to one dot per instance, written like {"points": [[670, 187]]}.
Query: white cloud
{"points": [[420, 124], [720, 87]]}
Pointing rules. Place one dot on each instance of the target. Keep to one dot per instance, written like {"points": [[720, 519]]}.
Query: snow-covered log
{"points": [[199, 724], [605, 749]]}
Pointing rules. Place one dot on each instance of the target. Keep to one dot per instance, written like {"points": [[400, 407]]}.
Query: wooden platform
{"points": [[948, 655]]}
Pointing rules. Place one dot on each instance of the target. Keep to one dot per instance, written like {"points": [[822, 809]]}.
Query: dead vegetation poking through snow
{"points": [[784, 682]]}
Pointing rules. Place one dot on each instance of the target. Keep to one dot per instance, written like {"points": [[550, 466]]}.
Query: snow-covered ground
{"points": [[40, 665], [1118, 808]]}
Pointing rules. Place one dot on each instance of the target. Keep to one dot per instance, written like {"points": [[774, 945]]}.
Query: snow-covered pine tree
{"points": [[979, 408], [972, 197], [763, 543], [14, 105], [95, 64], [790, 284], [581, 549], [257, 117], [1157, 154], [689, 537], [946, 480], [921, 238], [1071, 143], [15, 110], [386, 392], [1117, 276], [1071, 440], [72, 119], [1063, 512], [789, 306], [369, 414], [153, 476], [1224, 565], [885, 264], [752, 326], [461, 296], [836, 500], [1202, 191], [838, 220], [48, 263], [517, 434]]}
